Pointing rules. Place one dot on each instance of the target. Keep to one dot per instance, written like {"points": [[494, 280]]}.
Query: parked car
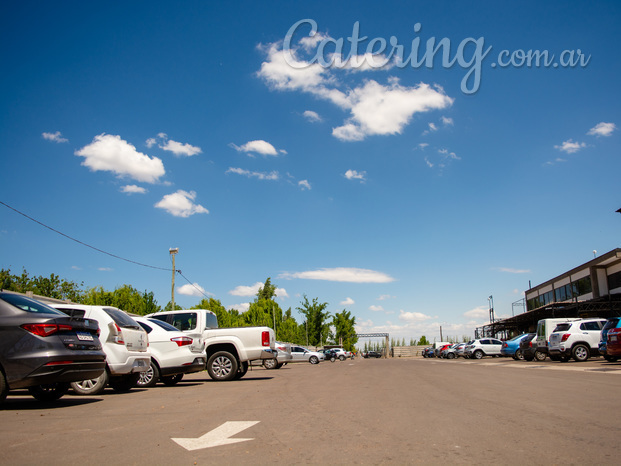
{"points": [[125, 344], [484, 347], [342, 354], [578, 339], [283, 356], [429, 352], [44, 350], [528, 347], [461, 349], [610, 324], [613, 345], [512, 347], [545, 327], [452, 352], [172, 354], [372, 354], [299, 353], [439, 349]]}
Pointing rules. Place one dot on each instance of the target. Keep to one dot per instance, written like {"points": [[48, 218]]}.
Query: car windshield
{"points": [[562, 327], [121, 319], [612, 323], [165, 325], [29, 305]]}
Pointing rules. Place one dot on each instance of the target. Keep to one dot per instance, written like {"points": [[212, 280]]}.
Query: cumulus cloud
{"points": [[341, 274], [253, 290], [258, 147], [375, 308], [133, 189], [413, 316], [179, 149], [243, 307], [347, 302], [192, 290], [570, 146], [56, 137], [602, 129], [511, 270], [356, 175], [477, 313], [110, 153], [374, 108], [181, 204], [304, 184], [311, 116], [272, 176]]}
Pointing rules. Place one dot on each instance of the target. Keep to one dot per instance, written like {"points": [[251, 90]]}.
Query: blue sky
{"points": [[372, 179]]}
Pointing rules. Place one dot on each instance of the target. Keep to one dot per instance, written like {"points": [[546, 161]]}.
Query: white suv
{"points": [[125, 343], [483, 347], [578, 339]]}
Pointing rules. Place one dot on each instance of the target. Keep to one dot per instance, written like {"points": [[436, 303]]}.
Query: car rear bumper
{"points": [[132, 365], [268, 354], [195, 366], [57, 371]]}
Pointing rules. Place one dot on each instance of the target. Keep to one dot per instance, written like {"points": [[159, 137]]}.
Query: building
{"points": [[592, 289]]}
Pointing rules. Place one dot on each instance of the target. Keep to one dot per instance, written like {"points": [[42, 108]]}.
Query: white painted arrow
{"points": [[217, 437]]}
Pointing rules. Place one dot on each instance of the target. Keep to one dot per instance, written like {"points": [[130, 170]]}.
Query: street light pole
{"points": [[172, 252]]}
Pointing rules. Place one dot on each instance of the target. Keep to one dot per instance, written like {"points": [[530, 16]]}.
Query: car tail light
{"points": [[530, 344], [117, 337], [265, 338], [58, 363], [504, 345], [565, 337], [182, 341], [45, 330]]}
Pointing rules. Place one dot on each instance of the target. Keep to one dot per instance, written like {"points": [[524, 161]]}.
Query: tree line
{"points": [[318, 326]]}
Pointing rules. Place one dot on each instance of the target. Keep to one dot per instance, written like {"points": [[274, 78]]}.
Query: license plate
{"points": [[84, 336], [613, 338]]}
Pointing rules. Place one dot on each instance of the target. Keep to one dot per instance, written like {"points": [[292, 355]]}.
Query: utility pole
{"points": [[172, 252]]}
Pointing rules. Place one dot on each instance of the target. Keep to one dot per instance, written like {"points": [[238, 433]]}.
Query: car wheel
{"points": [[332, 359], [341, 358], [580, 353], [451, 356], [313, 360], [91, 387], [49, 392], [539, 356], [171, 380], [243, 369], [270, 364], [149, 377], [518, 354], [478, 354], [124, 383], [222, 366], [4, 388]]}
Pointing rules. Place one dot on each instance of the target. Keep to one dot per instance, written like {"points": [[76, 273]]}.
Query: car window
{"points": [[562, 327], [211, 321], [612, 323], [146, 327], [165, 325], [496, 342], [120, 318], [184, 320], [485, 342], [590, 326], [29, 305]]}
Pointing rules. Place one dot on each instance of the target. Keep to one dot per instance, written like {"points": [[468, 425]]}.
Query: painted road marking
{"points": [[217, 437]]}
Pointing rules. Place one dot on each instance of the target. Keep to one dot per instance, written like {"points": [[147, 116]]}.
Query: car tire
{"points": [[270, 364], [313, 360], [332, 359], [222, 366], [49, 392], [580, 353], [91, 387], [280, 364], [539, 356], [243, 369], [518, 355], [478, 354], [149, 377], [171, 380], [4, 388], [342, 358], [124, 383], [451, 356]]}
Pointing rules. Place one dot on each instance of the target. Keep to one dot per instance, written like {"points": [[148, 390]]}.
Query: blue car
{"points": [[512, 347]]}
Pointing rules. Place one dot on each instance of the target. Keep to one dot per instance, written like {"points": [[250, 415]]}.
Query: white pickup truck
{"points": [[229, 350]]}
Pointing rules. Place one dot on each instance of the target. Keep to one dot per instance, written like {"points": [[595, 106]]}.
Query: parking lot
{"points": [[403, 410]]}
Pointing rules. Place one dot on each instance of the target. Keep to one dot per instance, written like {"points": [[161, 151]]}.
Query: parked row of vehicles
{"points": [[560, 339], [51, 347]]}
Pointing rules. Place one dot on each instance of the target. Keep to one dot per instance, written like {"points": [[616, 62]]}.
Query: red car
{"points": [[613, 344]]}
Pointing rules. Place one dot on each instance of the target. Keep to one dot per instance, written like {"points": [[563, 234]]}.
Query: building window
{"points": [[614, 281]]}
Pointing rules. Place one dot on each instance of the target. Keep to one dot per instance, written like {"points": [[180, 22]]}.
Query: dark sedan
{"points": [[44, 350], [373, 354]]}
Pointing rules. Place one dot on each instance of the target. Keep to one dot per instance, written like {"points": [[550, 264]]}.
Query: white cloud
{"points": [[477, 313], [384, 297], [272, 176], [304, 184], [108, 152], [570, 146], [105, 269], [375, 308], [375, 109], [510, 270], [447, 121], [602, 129], [243, 307], [259, 147], [180, 204], [56, 137], [311, 116], [252, 290], [450, 155], [180, 149], [347, 302], [413, 316], [422, 145], [133, 189], [192, 290], [341, 274], [356, 175]]}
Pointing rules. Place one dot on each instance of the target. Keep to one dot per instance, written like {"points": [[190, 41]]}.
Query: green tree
{"points": [[344, 325], [315, 326], [423, 341]]}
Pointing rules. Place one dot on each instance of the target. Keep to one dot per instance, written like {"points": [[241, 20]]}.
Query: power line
{"points": [[197, 288], [85, 244]]}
